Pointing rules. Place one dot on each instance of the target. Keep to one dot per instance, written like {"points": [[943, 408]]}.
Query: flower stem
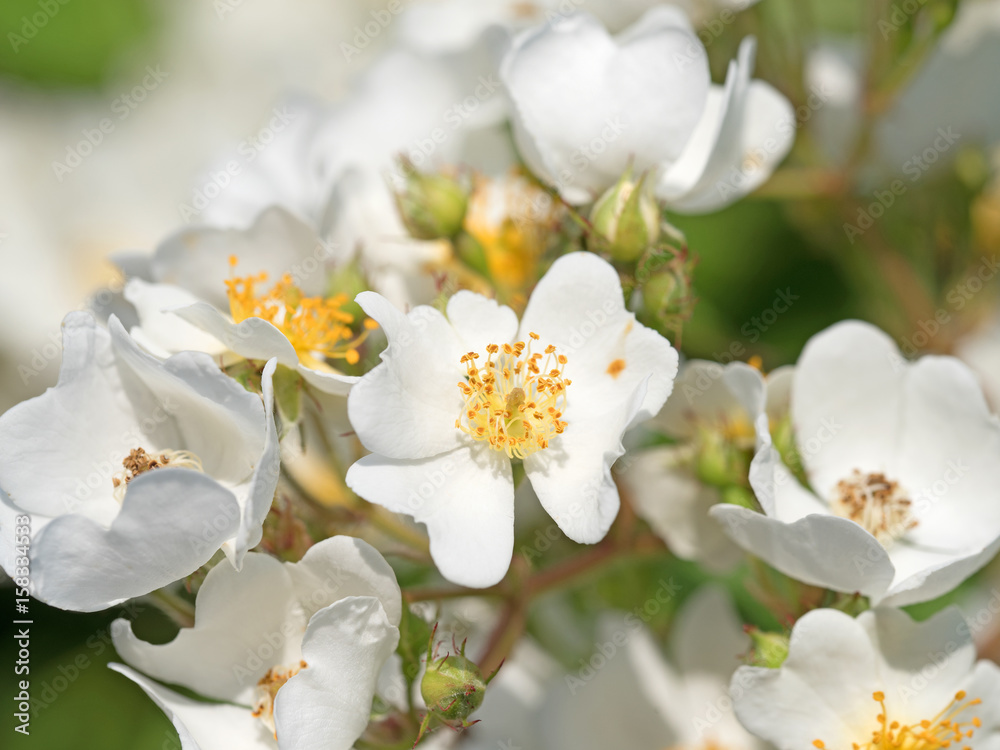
{"points": [[175, 607]]}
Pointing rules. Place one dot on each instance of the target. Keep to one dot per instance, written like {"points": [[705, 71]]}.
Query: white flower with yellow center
{"points": [[878, 682], [134, 471], [901, 460], [713, 414], [458, 396], [587, 105], [293, 651], [258, 293]]}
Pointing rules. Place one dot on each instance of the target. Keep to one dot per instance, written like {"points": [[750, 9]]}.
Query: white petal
{"points": [[407, 406], [201, 725], [211, 414], [757, 133], [171, 523], [708, 635], [575, 707], [153, 303], [823, 691], [904, 649], [326, 706], [926, 425], [258, 494], [923, 575], [572, 476], [708, 392], [479, 321], [578, 307], [572, 86], [252, 338], [819, 550], [333, 383], [245, 623], [73, 435], [676, 505], [343, 566], [466, 499], [197, 259]]}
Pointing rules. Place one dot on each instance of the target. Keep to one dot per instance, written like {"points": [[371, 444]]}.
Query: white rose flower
{"points": [[586, 105], [878, 681], [902, 463], [134, 471], [710, 402], [294, 651], [457, 397], [276, 307]]}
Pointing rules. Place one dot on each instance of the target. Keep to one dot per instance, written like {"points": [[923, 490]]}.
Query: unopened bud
{"points": [[432, 206], [453, 687], [769, 649], [627, 217], [719, 462]]}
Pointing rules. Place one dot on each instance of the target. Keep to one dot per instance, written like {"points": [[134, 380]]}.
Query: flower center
{"points": [[315, 326], [876, 503], [267, 689], [941, 731], [138, 461], [513, 401]]}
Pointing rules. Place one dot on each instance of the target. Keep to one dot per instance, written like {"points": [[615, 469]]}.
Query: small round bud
{"points": [[453, 687], [432, 206], [769, 649], [627, 217]]}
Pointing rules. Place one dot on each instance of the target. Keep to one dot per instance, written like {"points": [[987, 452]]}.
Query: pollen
{"points": [[952, 726], [616, 368], [138, 461], [875, 502], [317, 327], [268, 688], [516, 399]]}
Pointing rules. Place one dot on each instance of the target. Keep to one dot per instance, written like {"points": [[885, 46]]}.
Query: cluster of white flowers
{"points": [[447, 295]]}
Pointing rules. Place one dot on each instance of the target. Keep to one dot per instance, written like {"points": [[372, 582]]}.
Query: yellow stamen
{"points": [[514, 401], [941, 731], [316, 327], [268, 688], [876, 503], [138, 461]]}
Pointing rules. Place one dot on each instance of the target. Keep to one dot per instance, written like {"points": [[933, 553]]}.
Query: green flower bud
{"points": [[453, 687], [627, 217], [735, 495], [719, 462], [783, 436], [769, 649], [432, 206]]}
